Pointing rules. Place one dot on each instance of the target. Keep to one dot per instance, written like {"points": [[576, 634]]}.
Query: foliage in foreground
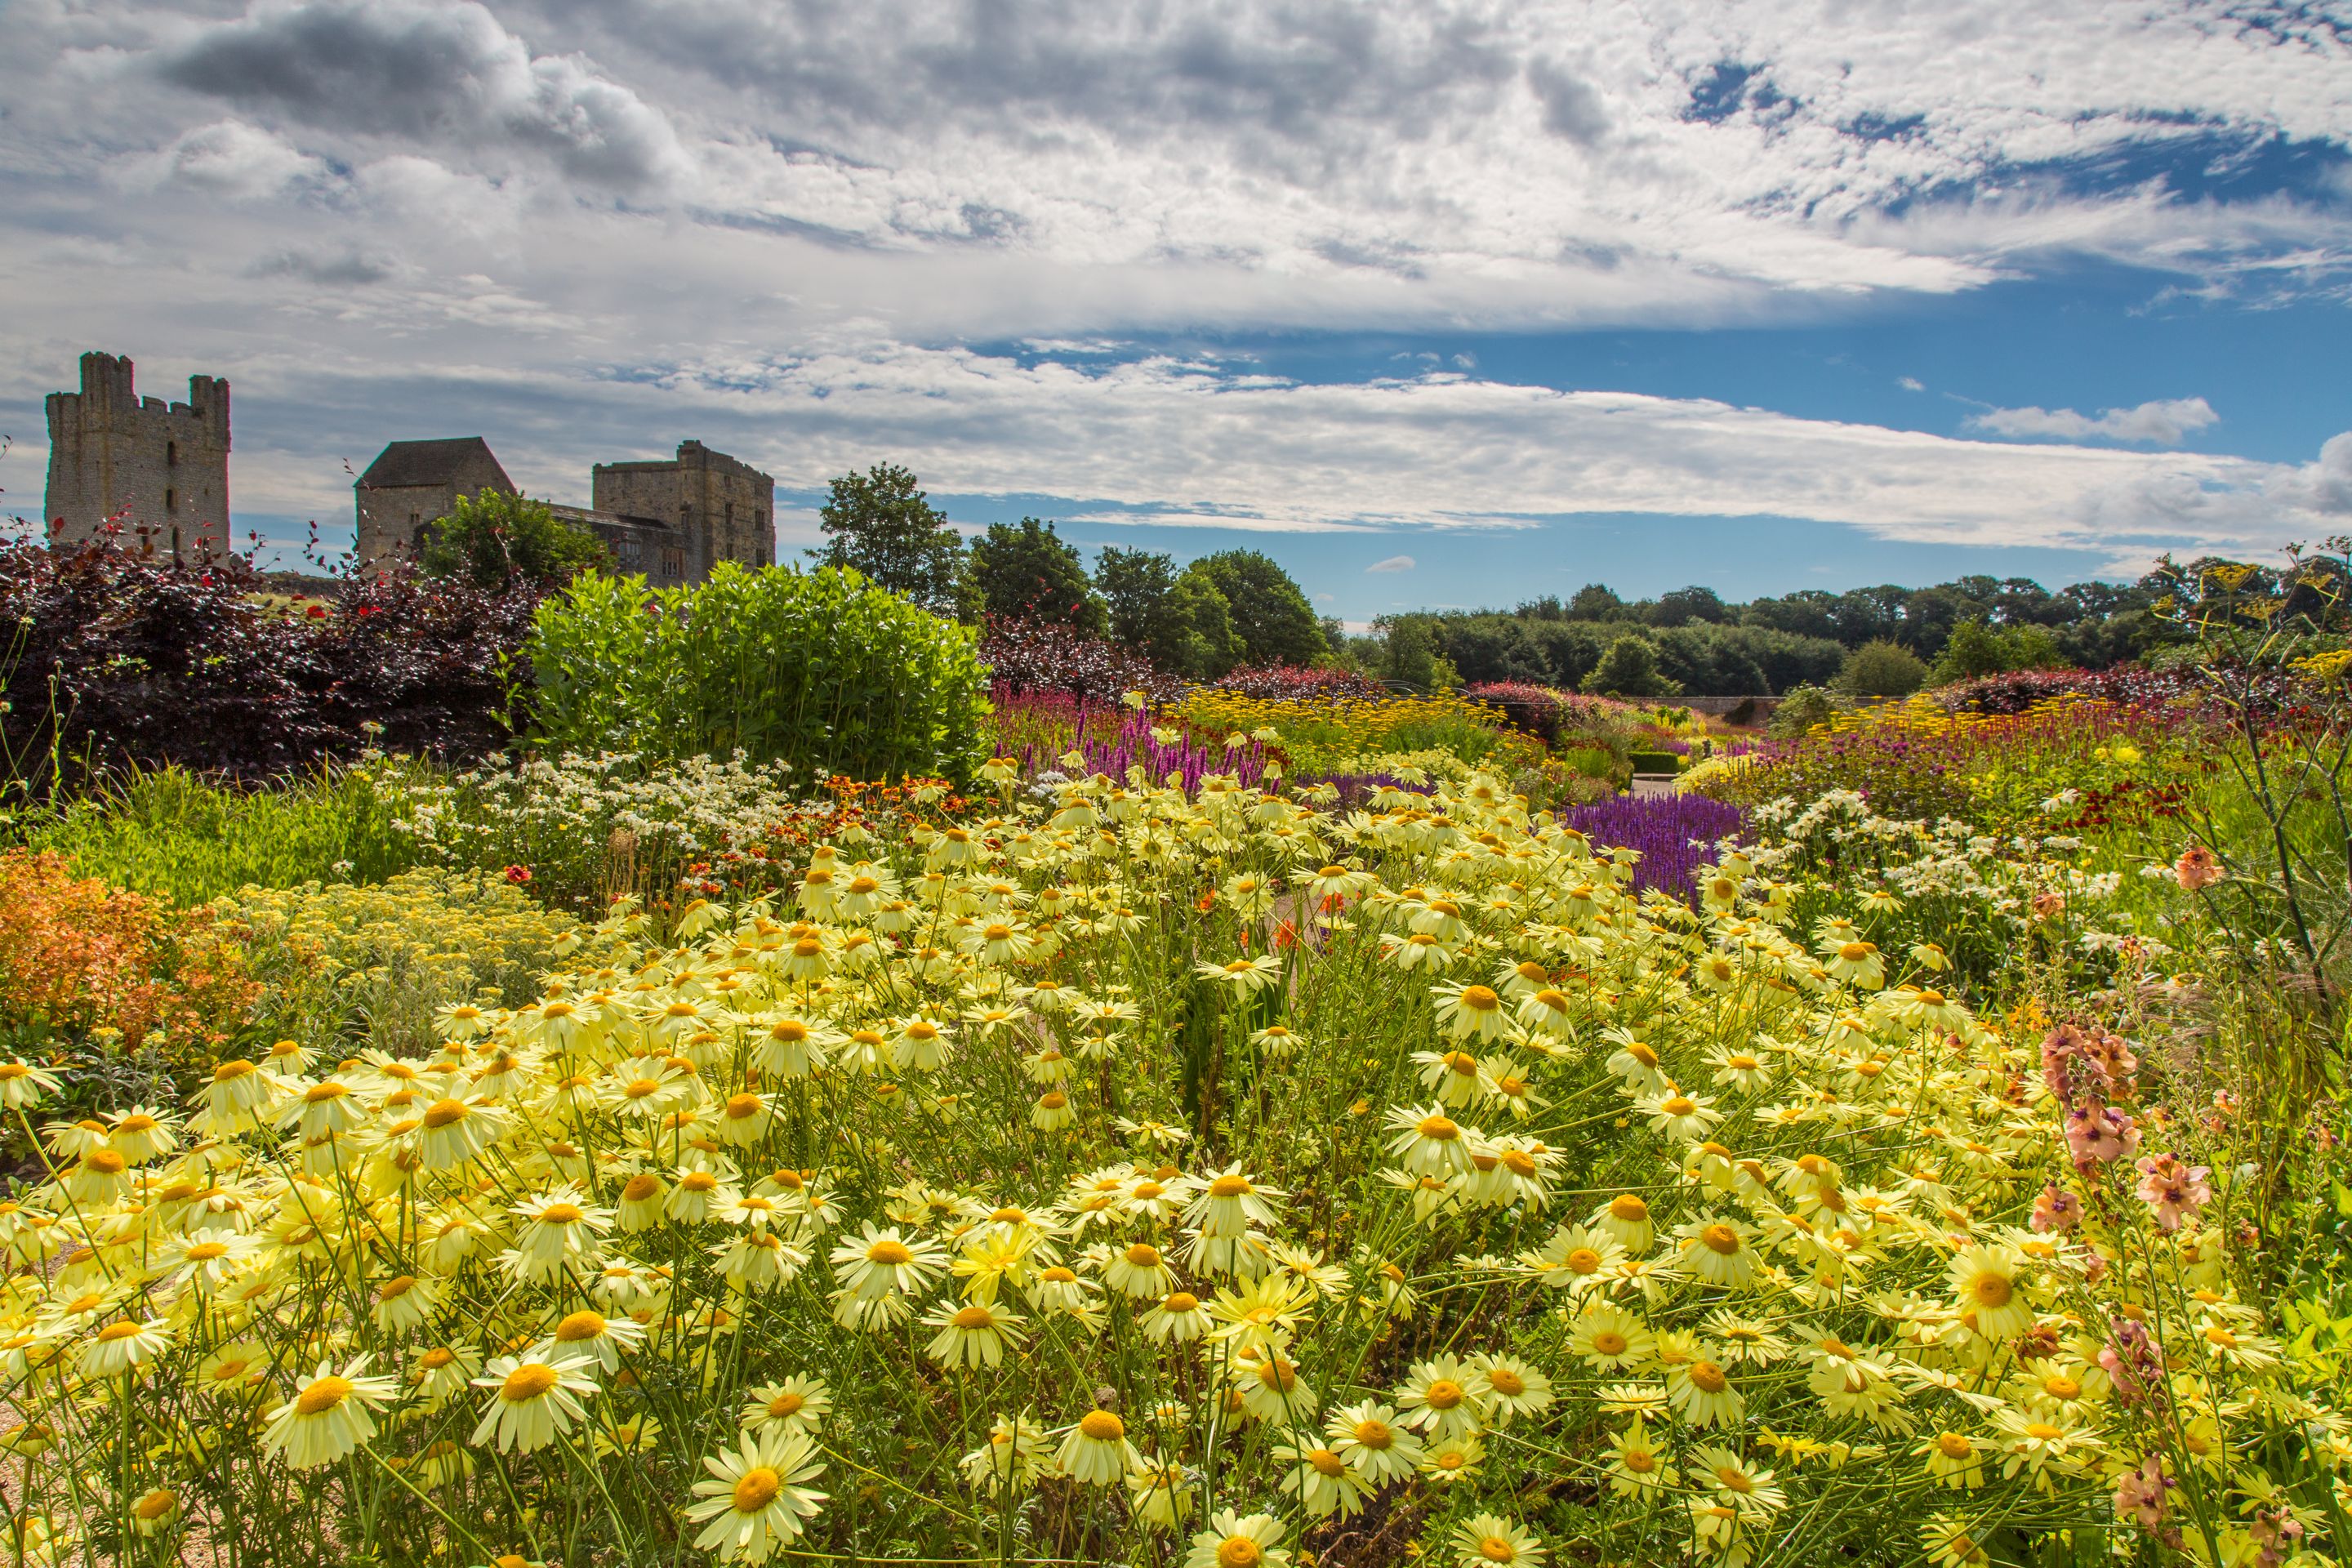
{"points": [[110, 658], [1147, 1177]]}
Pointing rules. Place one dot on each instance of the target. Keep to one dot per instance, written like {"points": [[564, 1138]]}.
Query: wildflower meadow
{"points": [[1262, 1125]]}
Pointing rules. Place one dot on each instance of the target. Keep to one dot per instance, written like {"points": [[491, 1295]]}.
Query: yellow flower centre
{"points": [[115, 1332], [1102, 1426], [1239, 1551], [437, 1358], [528, 1381], [1742, 1063], [1678, 1105], [1641, 1461], [1443, 1394], [1733, 1478], [1054, 1099], [1991, 1289], [580, 1325], [1327, 1463], [973, 1318], [1374, 1435], [1479, 999], [784, 1405], [154, 1505], [1438, 1129], [757, 1490], [442, 1112], [1229, 1187], [2060, 1387], [889, 1254], [1720, 1238], [1627, 1209], [1855, 951], [561, 1214], [1707, 1377], [205, 1251], [640, 1187], [1143, 1255], [2042, 1431], [1952, 1445], [322, 1395], [1642, 1054], [1609, 1341]]}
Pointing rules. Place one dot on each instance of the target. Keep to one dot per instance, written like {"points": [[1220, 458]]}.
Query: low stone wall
{"points": [[1761, 708]]}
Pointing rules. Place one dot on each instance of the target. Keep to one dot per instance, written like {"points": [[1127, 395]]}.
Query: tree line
{"points": [[1238, 608]]}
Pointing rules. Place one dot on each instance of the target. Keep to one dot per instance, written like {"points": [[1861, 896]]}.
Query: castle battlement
{"points": [[143, 464]]}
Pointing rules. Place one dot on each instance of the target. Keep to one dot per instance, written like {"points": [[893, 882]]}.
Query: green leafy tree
{"points": [[1975, 649], [1685, 606], [1134, 587], [1629, 668], [1197, 638], [1882, 668], [879, 525], [497, 538], [1596, 602], [1270, 613], [1414, 657], [1026, 572]]}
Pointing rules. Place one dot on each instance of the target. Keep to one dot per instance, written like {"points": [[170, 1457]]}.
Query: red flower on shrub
{"points": [[519, 875]]}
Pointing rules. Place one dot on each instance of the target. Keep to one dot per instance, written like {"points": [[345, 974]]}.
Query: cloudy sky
{"points": [[1437, 304]]}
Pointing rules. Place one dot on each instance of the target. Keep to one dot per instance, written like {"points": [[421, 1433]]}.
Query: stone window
{"points": [[170, 501], [171, 454], [673, 562]]}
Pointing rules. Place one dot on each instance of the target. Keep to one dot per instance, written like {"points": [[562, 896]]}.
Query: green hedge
{"points": [[1656, 763], [821, 670]]}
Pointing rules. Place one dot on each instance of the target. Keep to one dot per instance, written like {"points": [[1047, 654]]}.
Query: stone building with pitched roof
{"points": [[671, 519]]}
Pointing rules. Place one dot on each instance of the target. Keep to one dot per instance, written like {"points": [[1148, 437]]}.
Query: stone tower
{"points": [[159, 470], [719, 508]]}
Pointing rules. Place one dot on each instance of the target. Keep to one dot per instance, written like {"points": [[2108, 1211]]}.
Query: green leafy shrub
{"points": [[1590, 762], [818, 669], [1801, 710], [371, 965], [1656, 763], [1882, 668]]}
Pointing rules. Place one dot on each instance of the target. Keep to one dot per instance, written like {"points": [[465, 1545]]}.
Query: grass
{"points": [[169, 833]]}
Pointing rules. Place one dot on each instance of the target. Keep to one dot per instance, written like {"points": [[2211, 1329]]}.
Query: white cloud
{"points": [[1393, 564], [1911, 383], [226, 158], [584, 227], [2164, 422]]}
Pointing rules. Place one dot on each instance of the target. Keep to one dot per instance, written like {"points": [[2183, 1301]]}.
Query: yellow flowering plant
{"points": [[1159, 1175]]}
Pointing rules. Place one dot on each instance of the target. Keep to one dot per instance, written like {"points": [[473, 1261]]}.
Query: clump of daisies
{"points": [[1184, 1175]]}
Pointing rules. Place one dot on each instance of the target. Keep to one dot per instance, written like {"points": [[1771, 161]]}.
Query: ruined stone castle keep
{"points": [[671, 519], [157, 469]]}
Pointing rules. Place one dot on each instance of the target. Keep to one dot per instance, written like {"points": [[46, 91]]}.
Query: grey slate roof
{"points": [[441, 462]]}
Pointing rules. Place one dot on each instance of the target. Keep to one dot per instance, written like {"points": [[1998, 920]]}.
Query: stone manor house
{"points": [[162, 470]]}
